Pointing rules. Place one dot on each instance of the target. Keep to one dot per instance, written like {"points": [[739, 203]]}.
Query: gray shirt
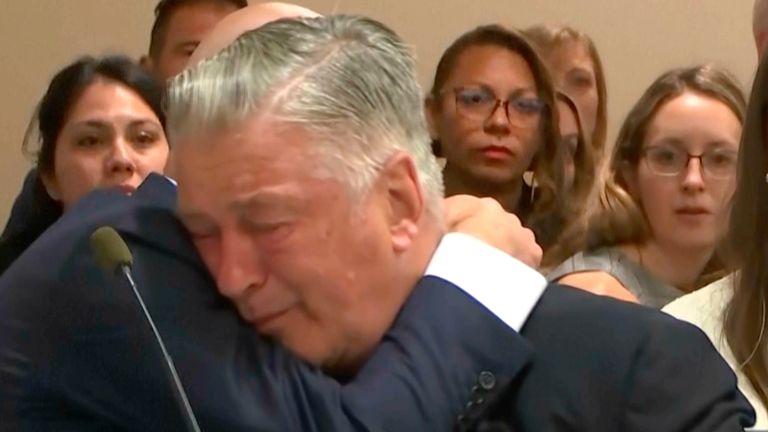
{"points": [[647, 288]]}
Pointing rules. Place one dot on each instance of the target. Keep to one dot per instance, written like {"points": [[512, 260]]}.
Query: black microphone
{"points": [[113, 255]]}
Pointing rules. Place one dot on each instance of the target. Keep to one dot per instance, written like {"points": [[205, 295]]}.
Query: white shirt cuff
{"points": [[502, 284]]}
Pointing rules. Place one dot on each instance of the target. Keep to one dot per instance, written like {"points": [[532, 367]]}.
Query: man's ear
{"points": [[405, 201], [146, 62], [51, 185]]}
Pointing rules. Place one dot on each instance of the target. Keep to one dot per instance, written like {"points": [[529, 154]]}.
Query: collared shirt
{"points": [[505, 286]]}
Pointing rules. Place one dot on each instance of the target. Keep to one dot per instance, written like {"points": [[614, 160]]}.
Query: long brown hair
{"points": [[547, 38], [580, 195], [583, 160], [745, 319], [618, 218], [545, 217]]}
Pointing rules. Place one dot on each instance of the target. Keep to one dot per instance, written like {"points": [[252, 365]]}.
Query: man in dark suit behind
{"points": [[317, 218]]}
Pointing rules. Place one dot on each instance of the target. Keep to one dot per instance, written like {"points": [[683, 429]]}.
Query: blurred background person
{"points": [[575, 66], [665, 202], [732, 311], [580, 172], [179, 27], [492, 116], [99, 124]]}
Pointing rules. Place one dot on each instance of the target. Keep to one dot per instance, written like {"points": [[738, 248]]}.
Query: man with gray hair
{"points": [[319, 212]]}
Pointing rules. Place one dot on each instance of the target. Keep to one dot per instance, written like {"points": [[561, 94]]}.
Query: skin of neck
{"points": [[677, 266], [458, 182]]}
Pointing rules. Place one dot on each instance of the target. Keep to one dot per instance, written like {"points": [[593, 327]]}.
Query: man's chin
{"points": [[336, 363]]}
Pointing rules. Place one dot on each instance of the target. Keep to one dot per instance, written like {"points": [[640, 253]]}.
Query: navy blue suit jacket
{"points": [[32, 213], [599, 364], [76, 354]]}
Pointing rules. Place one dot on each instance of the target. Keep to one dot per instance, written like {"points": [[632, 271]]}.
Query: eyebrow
{"points": [[516, 92], [488, 86], [101, 123], [716, 143], [276, 198]]}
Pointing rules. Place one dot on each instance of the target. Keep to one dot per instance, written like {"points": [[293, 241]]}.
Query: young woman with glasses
{"points": [[733, 311], [664, 204], [493, 118]]}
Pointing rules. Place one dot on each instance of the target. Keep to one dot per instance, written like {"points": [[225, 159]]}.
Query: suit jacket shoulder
{"points": [[603, 365]]}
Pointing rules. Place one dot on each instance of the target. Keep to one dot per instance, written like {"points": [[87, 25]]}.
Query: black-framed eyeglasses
{"points": [[667, 160], [479, 103]]}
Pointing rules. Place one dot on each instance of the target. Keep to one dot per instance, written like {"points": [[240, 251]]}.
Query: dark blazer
{"points": [[598, 364], [32, 213], [76, 355]]}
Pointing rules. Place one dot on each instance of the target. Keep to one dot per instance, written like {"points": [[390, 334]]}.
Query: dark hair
{"points": [[67, 86], [544, 217], [163, 12], [745, 320]]}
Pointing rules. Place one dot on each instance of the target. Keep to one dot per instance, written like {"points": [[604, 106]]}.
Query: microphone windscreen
{"points": [[109, 249]]}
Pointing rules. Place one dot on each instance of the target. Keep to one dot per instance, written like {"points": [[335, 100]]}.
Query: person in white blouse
{"points": [[732, 311]]}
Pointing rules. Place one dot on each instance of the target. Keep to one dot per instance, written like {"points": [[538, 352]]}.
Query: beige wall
{"points": [[637, 39]]}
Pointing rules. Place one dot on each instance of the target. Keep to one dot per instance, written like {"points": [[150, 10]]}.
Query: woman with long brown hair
{"points": [[663, 205], [732, 311]]}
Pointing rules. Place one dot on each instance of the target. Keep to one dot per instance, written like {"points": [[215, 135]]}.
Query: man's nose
{"points": [[240, 266]]}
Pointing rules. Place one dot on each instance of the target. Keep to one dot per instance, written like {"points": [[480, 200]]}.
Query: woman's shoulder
{"points": [[597, 260]]}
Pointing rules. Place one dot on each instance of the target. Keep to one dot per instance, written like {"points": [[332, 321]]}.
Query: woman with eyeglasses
{"points": [[733, 311], [664, 204], [492, 116]]}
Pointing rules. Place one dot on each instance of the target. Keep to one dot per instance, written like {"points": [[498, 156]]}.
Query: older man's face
{"points": [[303, 262]]}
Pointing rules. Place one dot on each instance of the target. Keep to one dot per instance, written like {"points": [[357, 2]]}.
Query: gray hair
{"points": [[349, 81]]}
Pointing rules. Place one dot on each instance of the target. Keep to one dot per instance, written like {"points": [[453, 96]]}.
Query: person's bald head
{"points": [[243, 20]]}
